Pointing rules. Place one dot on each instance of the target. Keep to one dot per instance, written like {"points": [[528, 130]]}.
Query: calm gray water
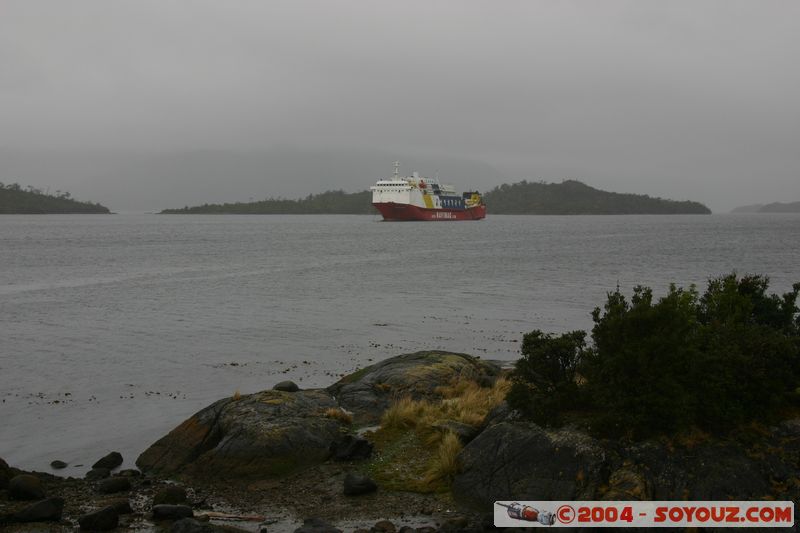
{"points": [[113, 329]]}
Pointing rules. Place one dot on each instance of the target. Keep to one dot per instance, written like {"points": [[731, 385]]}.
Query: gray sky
{"points": [[152, 104]]}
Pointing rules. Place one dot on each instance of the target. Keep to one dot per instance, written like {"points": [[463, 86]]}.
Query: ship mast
{"points": [[396, 169]]}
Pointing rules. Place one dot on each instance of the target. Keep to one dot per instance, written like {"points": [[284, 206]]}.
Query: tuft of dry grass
{"points": [[444, 465], [463, 401], [428, 456], [403, 413], [236, 396], [339, 414]]}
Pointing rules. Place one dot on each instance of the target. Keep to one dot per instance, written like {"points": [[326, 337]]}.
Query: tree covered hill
{"points": [[16, 200], [572, 197], [523, 198], [329, 202], [775, 207]]}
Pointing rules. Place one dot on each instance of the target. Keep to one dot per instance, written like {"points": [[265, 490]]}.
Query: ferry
{"points": [[418, 198]]}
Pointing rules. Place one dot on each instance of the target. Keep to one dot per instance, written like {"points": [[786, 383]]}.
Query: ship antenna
{"points": [[396, 168]]}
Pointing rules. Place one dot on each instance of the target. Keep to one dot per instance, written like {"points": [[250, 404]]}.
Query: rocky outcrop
{"points": [[110, 461], [512, 459], [270, 433], [522, 461], [368, 392]]}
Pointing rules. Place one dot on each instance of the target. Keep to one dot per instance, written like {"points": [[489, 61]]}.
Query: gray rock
{"points": [[101, 520], [5, 474], [110, 461], [97, 473], [267, 434], [464, 432], [357, 484], [286, 386], [383, 526], [316, 525], [190, 525], [129, 472], [48, 510], [114, 484], [25, 487], [172, 512], [58, 465], [523, 462], [121, 505], [368, 392], [351, 448], [172, 494]]}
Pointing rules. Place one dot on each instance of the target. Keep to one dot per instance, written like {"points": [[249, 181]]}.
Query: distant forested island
{"points": [[524, 198], [572, 197], [775, 207], [329, 202], [15, 200]]}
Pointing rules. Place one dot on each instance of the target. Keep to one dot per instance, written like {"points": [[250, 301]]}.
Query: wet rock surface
{"points": [[110, 461], [25, 487], [357, 484], [351, 448], [101, 520], [47, 510], [286, 386], [515, 461], [270, 433]]}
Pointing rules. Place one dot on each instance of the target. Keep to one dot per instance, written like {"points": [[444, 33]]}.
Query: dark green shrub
{"points": [[713, 361]]}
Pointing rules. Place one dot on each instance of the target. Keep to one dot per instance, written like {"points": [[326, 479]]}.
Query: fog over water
{"points": [[149, 104]]}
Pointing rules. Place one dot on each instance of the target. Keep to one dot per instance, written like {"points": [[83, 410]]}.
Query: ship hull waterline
{"points": [[405, 212]]}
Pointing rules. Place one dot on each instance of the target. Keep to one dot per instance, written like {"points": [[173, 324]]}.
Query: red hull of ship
{"points": [[392, 211]]}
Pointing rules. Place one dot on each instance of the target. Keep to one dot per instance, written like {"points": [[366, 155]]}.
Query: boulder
{"points": [[714, 470], [523, 462], [172, 494], [114, 484], [383, 526], [5, 474], [58, 465], [357, 484], [316, 525], [101, 520], [110, 461], [351, 448], [121, 505], [47, 510], [190, 525], [25, 487], [286, 386], [172, 512], [368, 392], [97, 473], [266, 434]]}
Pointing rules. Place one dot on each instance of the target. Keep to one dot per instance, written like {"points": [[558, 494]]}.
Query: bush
{"points": [[681, 362]]}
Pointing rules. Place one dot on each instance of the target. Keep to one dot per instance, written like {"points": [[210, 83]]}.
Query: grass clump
{"points": [[416, 451], [444, 465], [338, 414]]}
